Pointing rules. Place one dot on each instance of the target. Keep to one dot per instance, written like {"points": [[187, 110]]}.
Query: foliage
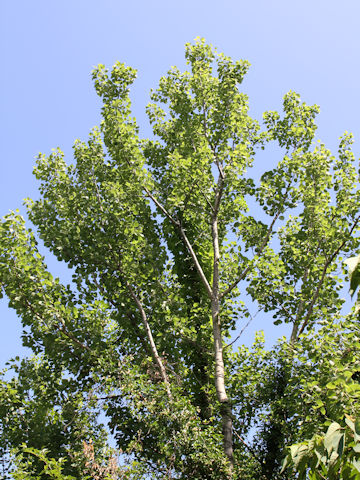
{"points": [[27, 461], [335, 455], [43, 407], [172, 245], [25, 466], [333, 392]]}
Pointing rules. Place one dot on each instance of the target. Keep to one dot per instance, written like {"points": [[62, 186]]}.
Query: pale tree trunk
{"points": [[226, 410]]}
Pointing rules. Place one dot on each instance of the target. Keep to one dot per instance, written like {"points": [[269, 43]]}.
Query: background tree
{"points": [[171, 242], [332, 391], [43, 407]]}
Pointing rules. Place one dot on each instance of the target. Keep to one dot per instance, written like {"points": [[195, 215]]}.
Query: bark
{"points": [[186, 241], [226, 410], [157, 359]]}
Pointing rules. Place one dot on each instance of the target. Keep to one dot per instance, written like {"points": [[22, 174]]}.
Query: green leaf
{"points": [[357, 429], [350, 422], [354, 273], [333, 437], [356, 463]]}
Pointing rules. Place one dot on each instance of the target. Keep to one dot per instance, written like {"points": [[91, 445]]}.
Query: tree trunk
{"points": [[226, 411]]}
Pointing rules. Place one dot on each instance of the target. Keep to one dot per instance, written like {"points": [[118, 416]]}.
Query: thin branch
{"points": [[219, 166], [243, 329], [300, 310], [153, 348], [251, 264], [108, 397], [253, 453], [218, 196], [151, 339], [289, 314], [196, 262], [327, 263], [127, 315], [213, 148], [161, 207], [188, 245], [104, 294], [74, 339], [61, 329], [205, 196], [205, 128]]}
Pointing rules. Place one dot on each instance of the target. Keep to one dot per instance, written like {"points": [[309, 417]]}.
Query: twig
{"points": [[327, 263], [253, 453], [243, 329], [252, 263], [188, 245]]}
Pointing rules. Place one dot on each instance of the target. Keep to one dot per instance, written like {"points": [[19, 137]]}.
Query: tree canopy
{"points": [[172, 244]]}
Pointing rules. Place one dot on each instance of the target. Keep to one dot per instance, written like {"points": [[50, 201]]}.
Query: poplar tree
{"points": [[172, 244]]}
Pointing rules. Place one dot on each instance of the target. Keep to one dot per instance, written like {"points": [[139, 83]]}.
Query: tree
{"points": [[42, 407], [333, 452], [171, 243]]}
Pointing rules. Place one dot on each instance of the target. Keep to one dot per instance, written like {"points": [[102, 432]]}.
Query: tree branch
{"points": [[127, 315], [252, 264], [253, 453], [242, 330], [327, 263], [300, 310], [61, 328], [185, 239], [154, 351]]}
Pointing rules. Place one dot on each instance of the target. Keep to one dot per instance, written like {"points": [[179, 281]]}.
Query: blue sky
{"points": [[50, 47]]}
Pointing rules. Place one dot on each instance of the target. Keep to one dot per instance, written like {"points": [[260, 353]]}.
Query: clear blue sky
{"points": [[48, 49]]}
